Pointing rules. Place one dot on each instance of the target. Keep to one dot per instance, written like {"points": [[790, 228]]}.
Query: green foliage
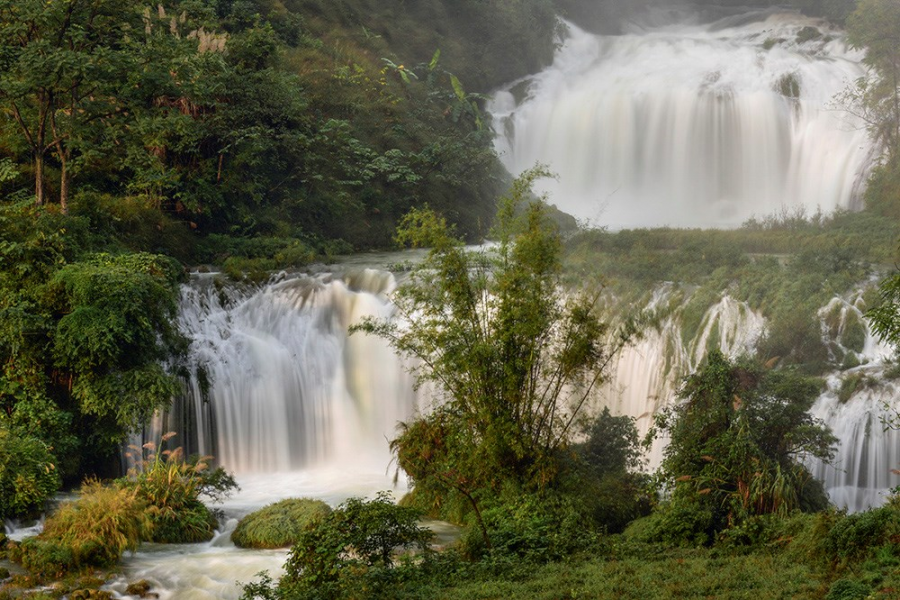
{"points": [[533, 528], [612, 446], [349, 548], [857, 536], [735, 443], [884, 317], [848, 589], [28, 474], [116, 325], [608, 482], [170, 487], [514, 358], [81, 335], [92, 531], [278, 525], [875, 26]]}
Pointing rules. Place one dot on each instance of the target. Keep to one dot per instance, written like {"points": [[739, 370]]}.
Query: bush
{"points": [[686, 522], [350, 547], [92, 531], [855, 537], [278, 525], [848, 589], [170, 487], [734, 446], [536, 528], [28, 474]]}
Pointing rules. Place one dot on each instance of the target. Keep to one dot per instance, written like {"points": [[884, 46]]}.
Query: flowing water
{"points": [[281, 395], [690, 124], [646, 378], [670, 124]]}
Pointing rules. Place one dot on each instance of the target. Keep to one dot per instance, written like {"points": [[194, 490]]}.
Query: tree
{"points": [[875, 26], [513, 356], [82, 336], [738, 441], [59, 68]]}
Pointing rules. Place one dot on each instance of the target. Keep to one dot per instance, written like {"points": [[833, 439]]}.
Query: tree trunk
{"points": [[38, 178], [63, 185]]}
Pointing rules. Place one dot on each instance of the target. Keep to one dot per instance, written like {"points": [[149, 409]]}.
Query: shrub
{"points": [[733, 449], [355, 541], [170, 487], [686, 522], [848, 589], [28, 474], [537, 528], [856, 536], [92, 531], [278, 525]]}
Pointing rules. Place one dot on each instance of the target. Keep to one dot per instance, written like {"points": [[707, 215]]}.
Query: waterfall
{"points": [[856, 400], [690, 124], [275, 384], [647, 374], [855, 405]]}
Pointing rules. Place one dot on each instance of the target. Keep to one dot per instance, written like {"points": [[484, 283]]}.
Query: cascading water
{"points": [[646, 375], [857, 399], [277, 385], [690, 124], [281, 395], [857, 405]]}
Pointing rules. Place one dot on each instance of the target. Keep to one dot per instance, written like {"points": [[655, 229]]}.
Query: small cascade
{"points": [[686, 124], [647, 374], [275, 384], [857, 400], [855, 405]]}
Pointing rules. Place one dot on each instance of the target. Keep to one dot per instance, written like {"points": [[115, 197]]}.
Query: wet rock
{"points": [[141, 589]]}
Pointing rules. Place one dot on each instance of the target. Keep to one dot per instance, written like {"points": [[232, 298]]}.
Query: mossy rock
{"points": [[90, 595], [190, 524], [278, 525], [141, 589]]}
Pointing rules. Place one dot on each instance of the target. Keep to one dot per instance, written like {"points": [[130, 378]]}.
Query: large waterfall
{"points": [[690, 124]]}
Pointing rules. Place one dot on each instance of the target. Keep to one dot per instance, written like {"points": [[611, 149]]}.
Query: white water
{"points": [[288, 388], [684, 124], [647, 375], [295, 408], [868, 451]]}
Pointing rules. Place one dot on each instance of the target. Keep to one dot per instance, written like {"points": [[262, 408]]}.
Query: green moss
{"points": [[850, 385], [851, 361], [789, 86], [190, 523], [808, 34], [892, 372], [278, 525], [853, 337], [694, 311]]}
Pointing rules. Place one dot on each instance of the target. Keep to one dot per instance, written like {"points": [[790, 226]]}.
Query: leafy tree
{"points": [[82, 336], [514, 356], [875, 26], [738, 440], [60, 68], [28, 473], [348, 550]]}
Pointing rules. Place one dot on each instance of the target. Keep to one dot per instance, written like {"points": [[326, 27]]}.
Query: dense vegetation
{"points": [[259, 135]]}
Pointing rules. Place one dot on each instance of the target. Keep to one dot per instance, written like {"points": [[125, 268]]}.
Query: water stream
{"points": [[687, 124]]}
